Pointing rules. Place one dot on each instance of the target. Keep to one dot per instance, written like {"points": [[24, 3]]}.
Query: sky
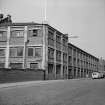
{"points": [[82, 18]]}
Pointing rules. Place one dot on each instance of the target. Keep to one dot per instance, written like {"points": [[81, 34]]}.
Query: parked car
{"points": [[97, 75]]}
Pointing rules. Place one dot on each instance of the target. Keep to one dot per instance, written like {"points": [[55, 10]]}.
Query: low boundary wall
{"points": [[20, 75]]}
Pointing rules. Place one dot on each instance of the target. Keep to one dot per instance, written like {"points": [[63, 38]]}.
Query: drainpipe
{"points": [[7, 48], [25, 45]]}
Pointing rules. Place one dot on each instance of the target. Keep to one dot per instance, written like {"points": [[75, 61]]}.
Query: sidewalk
{"points": [[7, 85], [28, 83]]}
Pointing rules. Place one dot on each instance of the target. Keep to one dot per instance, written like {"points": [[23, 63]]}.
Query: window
{"points": [[30, 51], [20, 51], [16, 65], [64, 57], [33, 65], [17, 33], [58, 38], [50, 35], [2, 52], [35, 32], [58, 69], [50, 53], [64, 41], [58, 55], [2, 65], [70, 50], [1, 34], [12, 52], [37, 52]]}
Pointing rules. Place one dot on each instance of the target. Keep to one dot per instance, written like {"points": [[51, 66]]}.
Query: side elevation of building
{"points": [[80, 63], [40, 46]]}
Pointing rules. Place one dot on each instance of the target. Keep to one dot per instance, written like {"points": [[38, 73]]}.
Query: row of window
{"points": [[19, 65], [80, 55], [58, 55], [18, 52], [58, 69], [19, 33], [58, 38]]}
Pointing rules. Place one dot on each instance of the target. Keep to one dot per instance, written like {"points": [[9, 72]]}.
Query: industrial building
{"points": [[40, 46], [80, 63], [32, 45]]}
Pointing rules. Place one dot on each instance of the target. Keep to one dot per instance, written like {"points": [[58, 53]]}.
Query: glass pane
{"points": [[34, 65], [16, 65], [20, 51], [12, 52], [37, 52], [2, 52], [30, 51]]}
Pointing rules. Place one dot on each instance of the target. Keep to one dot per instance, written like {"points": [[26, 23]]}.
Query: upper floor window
{"points": [[50, 53], [2, 52], [12, 52], [50, 35], [3, 35], [35, 32], [20, 51], [70, 50], [37, 52], [34, 52], [17, 34], [16, 52], [64, 41], [58, 38], [58, 55], [64, 57], [30, 51]]}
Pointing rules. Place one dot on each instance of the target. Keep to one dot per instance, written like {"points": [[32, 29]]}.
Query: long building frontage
{"points": [[40, 46], [80, 63]]}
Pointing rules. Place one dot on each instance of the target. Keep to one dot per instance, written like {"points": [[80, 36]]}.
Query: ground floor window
{"points": [[16, 65], [2, 52], [2, 65], [50, 68], [58, 69], [33, 65]]}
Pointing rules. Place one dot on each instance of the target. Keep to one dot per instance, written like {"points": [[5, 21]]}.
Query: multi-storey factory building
{"points": [[80, 63], [36, 46], [40, 46]]}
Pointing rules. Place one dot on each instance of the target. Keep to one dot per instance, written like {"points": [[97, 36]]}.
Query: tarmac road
{"points": [[61, 92]]}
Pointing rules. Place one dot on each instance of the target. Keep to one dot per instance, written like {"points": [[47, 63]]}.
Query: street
{"points": [[62, 92]]}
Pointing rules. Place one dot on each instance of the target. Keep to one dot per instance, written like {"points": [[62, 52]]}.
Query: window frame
{"points": [[32, 52], [37, 65], [3, 51], [18, 48], [35, 52], [17, 34]]}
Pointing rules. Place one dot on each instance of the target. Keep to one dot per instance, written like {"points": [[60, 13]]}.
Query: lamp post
{"points": [[68, 40]]}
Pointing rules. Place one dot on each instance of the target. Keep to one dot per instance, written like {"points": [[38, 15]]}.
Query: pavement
{"points": [[7, 85], [54, 92]]}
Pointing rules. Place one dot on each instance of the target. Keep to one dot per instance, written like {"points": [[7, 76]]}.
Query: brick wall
{"points": [[17, 75]]}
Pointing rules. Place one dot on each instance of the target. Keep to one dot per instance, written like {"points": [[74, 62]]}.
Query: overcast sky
{"points": [[83, 18]]}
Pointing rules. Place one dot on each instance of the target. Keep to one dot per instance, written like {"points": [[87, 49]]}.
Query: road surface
{"points": [[66, 92]]}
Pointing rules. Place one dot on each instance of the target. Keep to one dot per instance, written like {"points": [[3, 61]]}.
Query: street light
{"points": [[70, 37]]}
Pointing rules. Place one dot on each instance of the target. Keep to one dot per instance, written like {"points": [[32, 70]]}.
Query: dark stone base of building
{"points": [[20, 75]]}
